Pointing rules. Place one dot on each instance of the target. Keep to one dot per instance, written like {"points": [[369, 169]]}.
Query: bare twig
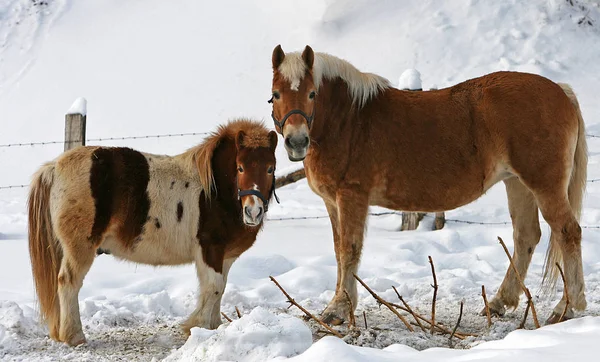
{"points": [[351, 319], [226, 317], [439, 327], [409, 309], [382, 301], [562, 275], [238, 312], [525, 289], [522, 325], [435, 289], [324, 331], [365, 318], [487, 307], [310, 315], [457, 322]]}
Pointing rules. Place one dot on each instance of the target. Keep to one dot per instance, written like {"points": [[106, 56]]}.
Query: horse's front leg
{"points": [[353, 207], [216, 310], [212, 285]]}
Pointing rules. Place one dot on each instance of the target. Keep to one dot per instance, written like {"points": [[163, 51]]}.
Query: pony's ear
{"points": [[272, 140], [239, 140], [309, 57], [278, 57]]}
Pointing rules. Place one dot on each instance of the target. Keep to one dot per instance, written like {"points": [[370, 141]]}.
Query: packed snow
{"points": [[157, 67], [78, 107]]}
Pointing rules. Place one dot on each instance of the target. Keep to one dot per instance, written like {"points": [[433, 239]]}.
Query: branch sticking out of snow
{"points": [[78, 107]]}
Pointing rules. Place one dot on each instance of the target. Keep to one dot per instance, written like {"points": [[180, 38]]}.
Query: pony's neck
{"points": [[224, 168], [335, 110]]}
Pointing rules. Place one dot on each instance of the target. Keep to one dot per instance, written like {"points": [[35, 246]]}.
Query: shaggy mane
{"points": [[198, 158], [361, 86]]}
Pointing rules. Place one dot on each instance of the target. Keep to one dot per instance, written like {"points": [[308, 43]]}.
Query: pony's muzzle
{"points": [[253, 214], [297, 146]]}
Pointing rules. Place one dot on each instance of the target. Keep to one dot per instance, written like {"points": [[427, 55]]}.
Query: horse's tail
{"points": [[576, 189], [44, 249]]}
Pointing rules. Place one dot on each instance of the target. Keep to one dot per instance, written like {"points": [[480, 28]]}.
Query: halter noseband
{"points": [[257, 193], [280, 124]]}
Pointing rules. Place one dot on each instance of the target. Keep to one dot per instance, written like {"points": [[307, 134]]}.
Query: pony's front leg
{"points": [[216, 310], [212, 285], [353, 207]]}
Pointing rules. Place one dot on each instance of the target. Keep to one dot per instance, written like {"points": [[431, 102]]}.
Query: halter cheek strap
{"points": [[280, 124]]}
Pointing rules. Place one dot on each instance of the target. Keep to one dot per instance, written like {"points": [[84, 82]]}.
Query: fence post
{"points": [[75, 124]]}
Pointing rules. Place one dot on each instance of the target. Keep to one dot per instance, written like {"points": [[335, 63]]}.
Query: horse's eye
{"points": [[312, 95], [240, 169], [270, 170]]}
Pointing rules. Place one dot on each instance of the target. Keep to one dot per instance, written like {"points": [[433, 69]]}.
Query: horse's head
{"points": [[293, 99], [255, 177]]}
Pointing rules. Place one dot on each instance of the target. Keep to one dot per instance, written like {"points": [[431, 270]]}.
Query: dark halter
{"points": [[280, 124], [258, 194]]}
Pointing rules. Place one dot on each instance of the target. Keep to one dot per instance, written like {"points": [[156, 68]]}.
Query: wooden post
{"points": [[75, 120]]}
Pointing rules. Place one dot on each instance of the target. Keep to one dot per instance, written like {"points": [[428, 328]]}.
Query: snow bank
{"points": [[566, 341], [15, 326], [257, 336], [410, 79]]}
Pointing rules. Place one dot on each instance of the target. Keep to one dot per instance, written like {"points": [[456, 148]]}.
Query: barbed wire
{"points": [[102, 139]]}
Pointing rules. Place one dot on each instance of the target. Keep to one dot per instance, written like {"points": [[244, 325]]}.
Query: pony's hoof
{"points": [[331, 318], [494, 311], [556, 318], [76, 340]]}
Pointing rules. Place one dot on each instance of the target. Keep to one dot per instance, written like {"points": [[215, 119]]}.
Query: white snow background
{"points": [[160, 67]]}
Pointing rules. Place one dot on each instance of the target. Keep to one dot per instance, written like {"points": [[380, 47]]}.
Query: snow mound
{"points": [[15, 326], [410, 79], [78, 107], [257, 336]]}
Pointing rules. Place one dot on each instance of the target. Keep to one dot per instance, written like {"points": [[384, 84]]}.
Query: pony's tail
{"points": [[44, 250], [576, 190]]}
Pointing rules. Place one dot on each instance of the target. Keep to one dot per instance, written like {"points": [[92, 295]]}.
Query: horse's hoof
{"points": [[555, 318], [76, 340], [331, 318], [494, 312]]}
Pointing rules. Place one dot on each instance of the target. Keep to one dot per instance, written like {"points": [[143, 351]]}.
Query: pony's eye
{"points": [[276, 95], [312, 95], [270, 170], [240, 169]]}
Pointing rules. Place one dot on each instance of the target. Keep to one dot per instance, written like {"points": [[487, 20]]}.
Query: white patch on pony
{"points": [[361, 86]]}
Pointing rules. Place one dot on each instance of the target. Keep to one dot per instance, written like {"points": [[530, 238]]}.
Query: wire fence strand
{"points": [[104, 139]]}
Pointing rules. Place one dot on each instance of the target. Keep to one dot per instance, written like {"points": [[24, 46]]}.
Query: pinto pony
{"points": [[365, 143], [205, 205]]}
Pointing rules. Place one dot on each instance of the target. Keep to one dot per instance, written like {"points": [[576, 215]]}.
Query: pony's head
{"points": [[255, 178], [293, 96]]}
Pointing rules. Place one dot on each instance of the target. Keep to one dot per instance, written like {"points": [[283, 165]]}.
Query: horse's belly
{"points": [[152, 251]]}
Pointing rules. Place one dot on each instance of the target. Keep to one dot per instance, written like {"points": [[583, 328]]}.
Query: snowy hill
{"points": [[162, 67]]}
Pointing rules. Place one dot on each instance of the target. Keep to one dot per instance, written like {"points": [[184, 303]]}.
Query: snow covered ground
{"points": [[157, 67]]}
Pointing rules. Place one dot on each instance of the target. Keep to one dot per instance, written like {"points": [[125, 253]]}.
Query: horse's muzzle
{"points": [[297, 147]]}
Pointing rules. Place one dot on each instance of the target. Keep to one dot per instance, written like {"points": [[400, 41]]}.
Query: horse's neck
{"points": [[224, 171], [335, 111]]}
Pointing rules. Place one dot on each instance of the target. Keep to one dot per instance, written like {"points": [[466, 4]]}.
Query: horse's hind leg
{"points": [[566, 240], [76, 262], [526, 235]]}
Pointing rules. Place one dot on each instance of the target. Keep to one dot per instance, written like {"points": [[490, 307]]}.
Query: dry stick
{"points": [[238, 312], [351, 319], [435, 289], [226, 317], [562, 275], [439, 327], [382, 301], [457, 322], [365, 318], [310, 315], [409, 309], [487, 307], [525, 289], [290, 178], [522, 325]]}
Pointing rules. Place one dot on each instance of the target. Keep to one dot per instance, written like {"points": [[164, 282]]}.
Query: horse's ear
{"points": [[308, 56], [272, 140], [239, 140], [278, 57]]}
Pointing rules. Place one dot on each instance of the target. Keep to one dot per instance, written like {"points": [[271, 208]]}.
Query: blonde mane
{"points": [[361, 86], [198, 158]]}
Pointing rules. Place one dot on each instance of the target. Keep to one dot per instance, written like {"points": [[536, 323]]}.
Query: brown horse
{"points": [[205, 205], [365, 143]]}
